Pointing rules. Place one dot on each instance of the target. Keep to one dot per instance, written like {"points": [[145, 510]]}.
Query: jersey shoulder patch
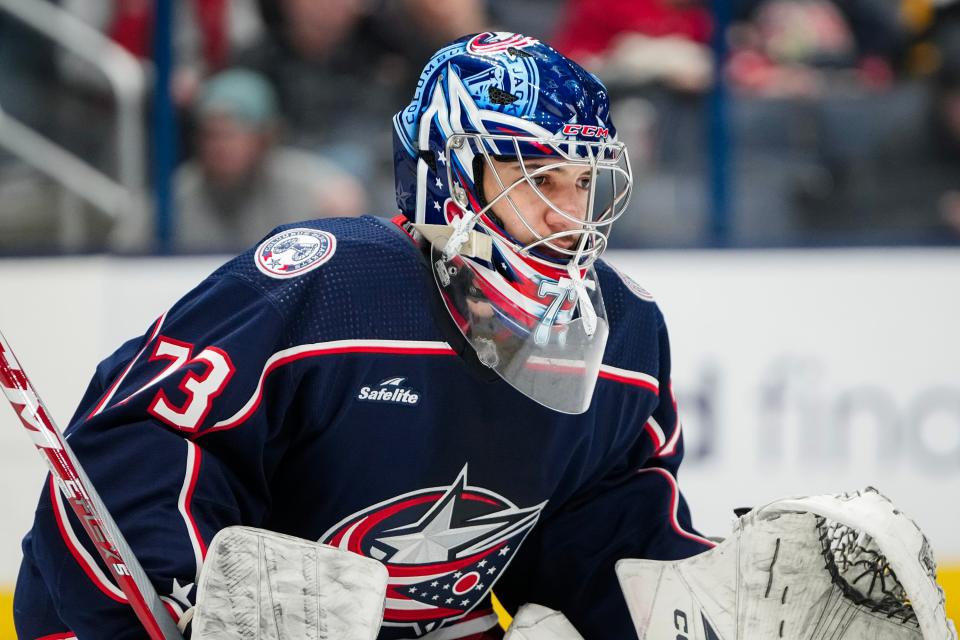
{"points": [[294, 252], [632, 286], [329, 278]]}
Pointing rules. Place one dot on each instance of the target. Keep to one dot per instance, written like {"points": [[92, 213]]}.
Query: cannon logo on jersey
{"points": [[294, 252], [444, 547], [391, 390]]}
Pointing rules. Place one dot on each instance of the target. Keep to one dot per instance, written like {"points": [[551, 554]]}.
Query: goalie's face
{"points": [[527, 215], [551, 199]]}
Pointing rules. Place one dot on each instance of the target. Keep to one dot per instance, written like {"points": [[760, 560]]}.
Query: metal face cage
{"points": [[609, 177]]}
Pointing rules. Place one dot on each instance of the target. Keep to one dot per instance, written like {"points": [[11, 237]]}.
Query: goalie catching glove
{"points": [[847, 567]]}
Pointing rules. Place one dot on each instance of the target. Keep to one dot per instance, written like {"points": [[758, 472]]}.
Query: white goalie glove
{"points": [[847, 567], [261, 585]]}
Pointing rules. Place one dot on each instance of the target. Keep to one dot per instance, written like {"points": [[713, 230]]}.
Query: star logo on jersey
{"points": [[178, 602], [444, 547], [181, 592], [294, 252]]}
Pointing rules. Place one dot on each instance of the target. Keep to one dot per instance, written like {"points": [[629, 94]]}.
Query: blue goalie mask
{"points": [[497, 118]]}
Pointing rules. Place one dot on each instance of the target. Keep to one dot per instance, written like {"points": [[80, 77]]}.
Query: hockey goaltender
{"points": [[359, 428]]}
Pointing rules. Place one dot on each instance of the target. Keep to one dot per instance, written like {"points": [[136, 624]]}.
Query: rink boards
{"points": [[796, 372]]}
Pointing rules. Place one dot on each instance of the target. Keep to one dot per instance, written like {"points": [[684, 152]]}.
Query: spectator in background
{"points": [[654, 57], [806, 48], [777, 50], [415, 29], [946, 101], [242, 184], [916, 168], [206, 34], [640, 41], [330, 76], [902, 184]]}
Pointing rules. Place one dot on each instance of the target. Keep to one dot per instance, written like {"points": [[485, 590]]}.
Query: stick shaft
{"points": [[83, 498]]}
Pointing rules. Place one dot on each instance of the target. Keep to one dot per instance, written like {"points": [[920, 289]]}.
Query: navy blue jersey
{"points": [[329, 396]]}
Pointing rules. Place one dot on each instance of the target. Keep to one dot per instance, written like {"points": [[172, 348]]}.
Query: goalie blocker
{"points": [[846, 567], [262, 585]]}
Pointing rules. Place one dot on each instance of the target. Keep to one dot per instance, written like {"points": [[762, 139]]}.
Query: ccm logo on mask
{"points": [[585, 130]]}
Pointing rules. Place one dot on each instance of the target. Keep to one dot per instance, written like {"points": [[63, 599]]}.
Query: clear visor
{"points": [[540, 344], [554, 199]]}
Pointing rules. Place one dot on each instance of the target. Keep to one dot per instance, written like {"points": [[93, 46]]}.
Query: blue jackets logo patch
{"points": [[294, 252], [492, 43], [443, 547]]}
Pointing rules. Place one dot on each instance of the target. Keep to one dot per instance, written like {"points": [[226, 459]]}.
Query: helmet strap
{"points": [[479, 167]]}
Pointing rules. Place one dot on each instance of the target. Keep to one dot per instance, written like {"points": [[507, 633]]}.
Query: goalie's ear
{"points": [[846, 567]]}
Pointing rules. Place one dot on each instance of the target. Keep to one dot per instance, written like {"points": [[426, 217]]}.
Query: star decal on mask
{"points": [[403, 197]]}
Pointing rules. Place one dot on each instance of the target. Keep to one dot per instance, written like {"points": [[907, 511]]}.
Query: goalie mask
{"points": [[507, 163]]}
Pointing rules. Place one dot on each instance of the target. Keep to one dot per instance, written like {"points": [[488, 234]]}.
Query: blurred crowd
{"points": [[841, 118]]}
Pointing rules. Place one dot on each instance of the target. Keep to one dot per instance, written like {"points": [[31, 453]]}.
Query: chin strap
{"points": [[458, 238], [577, 284], [461, 233]]}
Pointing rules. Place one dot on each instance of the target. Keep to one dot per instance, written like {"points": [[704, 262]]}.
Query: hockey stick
{"points": [[80, 493]]}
